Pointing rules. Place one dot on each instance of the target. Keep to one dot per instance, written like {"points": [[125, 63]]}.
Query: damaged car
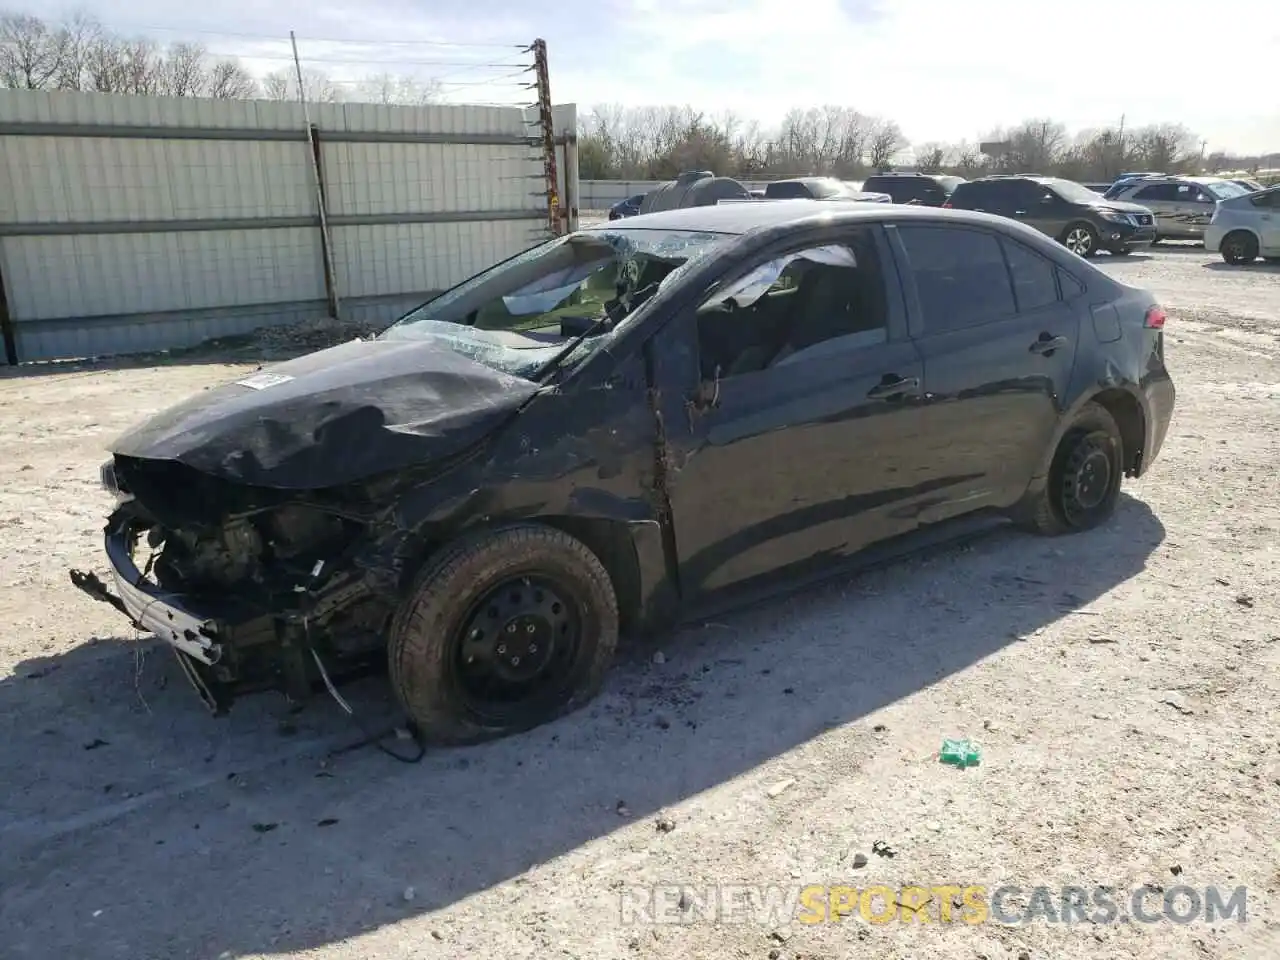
{"points": [[619, 429]]}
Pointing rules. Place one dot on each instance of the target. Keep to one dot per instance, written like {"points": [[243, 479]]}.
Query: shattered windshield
{"points": [[518, 315]]}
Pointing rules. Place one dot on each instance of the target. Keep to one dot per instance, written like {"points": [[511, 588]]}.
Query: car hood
{"points": [[1122, 205], [333, 417]]}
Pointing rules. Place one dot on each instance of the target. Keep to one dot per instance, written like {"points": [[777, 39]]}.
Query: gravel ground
{"points": [[1122, 684]]}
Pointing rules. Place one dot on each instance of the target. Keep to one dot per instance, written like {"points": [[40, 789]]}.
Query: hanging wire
{"points": [[150, 28], [368, 61]]}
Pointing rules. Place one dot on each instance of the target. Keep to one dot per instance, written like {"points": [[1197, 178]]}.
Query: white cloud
{"points": [[943, 71], [954, 71]]}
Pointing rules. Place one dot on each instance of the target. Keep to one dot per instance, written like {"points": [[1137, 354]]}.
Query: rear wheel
{"points": [[1081, 239], [503, 632], [1083, 485], [1239, 248]]}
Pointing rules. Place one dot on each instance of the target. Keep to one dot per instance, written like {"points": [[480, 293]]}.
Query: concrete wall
{"points": [[143, 223]]}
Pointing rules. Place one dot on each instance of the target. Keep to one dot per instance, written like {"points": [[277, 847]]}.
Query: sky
{"points": [[944, 72]]}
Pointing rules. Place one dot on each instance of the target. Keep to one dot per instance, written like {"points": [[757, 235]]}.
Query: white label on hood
{"points": [[260, 381]]}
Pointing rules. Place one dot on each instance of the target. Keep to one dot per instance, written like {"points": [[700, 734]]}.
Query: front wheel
{"points": [[1239, 248], [1081, 239], [1083, 485], [503, 632]]}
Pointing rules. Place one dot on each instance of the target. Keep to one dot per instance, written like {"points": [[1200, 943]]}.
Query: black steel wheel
{"points": [[1083, 484], [1239, 248], [503, 632]]}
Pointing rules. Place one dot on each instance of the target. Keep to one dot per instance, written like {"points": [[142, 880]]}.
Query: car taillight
{"points": [[1155, 318], [946, 204]]}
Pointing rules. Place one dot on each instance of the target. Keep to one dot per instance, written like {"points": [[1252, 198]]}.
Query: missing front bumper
{"points": [[149, 608]]}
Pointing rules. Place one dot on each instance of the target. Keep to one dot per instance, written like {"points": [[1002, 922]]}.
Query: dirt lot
{"points": [[1123, 685]]}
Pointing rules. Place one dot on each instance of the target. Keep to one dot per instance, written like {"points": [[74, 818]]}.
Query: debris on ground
{"points": [[664, 824], [1173, 700], [960, 753], [779, 788], [882, 849]]}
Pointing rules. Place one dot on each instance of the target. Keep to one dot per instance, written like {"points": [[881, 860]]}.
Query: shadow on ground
{"points": [[135, 825], [1258, 266]]}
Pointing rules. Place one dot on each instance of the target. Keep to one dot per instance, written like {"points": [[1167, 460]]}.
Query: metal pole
{"points": [[550, 168], [326, 248], [6, 325]]}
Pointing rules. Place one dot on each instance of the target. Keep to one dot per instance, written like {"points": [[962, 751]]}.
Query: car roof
{"points": [[740, 218]]}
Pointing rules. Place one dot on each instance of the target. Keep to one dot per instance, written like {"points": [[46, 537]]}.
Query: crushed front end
{"points": [[253, 588]]}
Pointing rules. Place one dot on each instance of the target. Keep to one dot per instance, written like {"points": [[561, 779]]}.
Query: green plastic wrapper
{"points": [[960, 753]]}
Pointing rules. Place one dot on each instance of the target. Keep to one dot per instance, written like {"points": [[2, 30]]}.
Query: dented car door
{"points": [[795, 443]]}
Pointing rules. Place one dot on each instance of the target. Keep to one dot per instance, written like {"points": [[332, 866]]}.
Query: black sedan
{"points": [[618, 428], [626, 208]]}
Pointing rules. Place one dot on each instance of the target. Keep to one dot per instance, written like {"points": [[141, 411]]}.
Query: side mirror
{"points": [[1047, 198]]}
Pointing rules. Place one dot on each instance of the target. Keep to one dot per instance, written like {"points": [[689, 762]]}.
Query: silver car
{"points": [[1244, 227], [1183, 205]]}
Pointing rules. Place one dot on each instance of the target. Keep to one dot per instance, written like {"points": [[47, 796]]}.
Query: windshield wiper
{"points": [[613, 312]]}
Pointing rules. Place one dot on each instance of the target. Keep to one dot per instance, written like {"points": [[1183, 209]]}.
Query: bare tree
{"points": [[931, 157], [79, 34], [885, 141], [228, 80], [31, 54], [387, 88], [182, 72], [316, 84], [123, 66], [1166, 146]]}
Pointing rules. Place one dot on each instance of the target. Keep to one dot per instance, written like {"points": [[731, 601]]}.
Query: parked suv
{"points": [[929, 190], [1183, 205], [1072, 214], [1243, 227]]}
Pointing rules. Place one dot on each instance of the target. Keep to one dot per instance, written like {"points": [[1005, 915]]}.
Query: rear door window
{"points": [[1158, 192], [961, 277]]}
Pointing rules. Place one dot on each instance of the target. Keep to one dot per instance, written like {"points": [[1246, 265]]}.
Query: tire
{"points": [[1081, 239], [1091, 444], [1275, 260], [1239, 248], [556, 577]]}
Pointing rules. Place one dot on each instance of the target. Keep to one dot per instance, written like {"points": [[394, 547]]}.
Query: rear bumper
{"points": [[1159, 395], [1213, 235]]}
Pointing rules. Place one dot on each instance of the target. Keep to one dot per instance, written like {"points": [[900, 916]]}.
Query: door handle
{"points": [[1020, 213], [892, 386], [1047, 344]]}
